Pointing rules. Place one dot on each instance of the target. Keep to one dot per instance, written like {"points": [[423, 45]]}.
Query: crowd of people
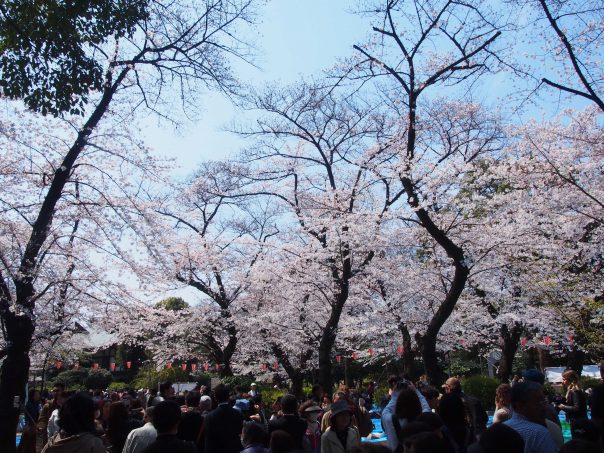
{"points": [[415, 417]]}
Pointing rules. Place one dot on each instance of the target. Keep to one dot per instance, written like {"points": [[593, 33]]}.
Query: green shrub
{"points": [[98, 379], [589, 382], [117, 385], [73, 379], [236, 381], [481, 387]]}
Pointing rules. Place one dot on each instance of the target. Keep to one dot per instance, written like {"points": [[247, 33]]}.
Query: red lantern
{"points": [[58, 364], [95, 365], [523, 341], [570, 337], [217, 367], [338, 358], [264, 366], [547, 340], [128, 364], [462, 342], [370, 352], [193, 366], [354, 356], [400, 349], [169, 364], [276, 365], [76, 365], [184, 367], [206, 366], [112, 366]]}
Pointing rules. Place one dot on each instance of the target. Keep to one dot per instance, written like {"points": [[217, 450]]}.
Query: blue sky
{"points": [[294, 38]]}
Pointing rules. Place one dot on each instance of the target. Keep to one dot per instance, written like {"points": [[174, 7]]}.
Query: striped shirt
{"points": [[537, 438]]}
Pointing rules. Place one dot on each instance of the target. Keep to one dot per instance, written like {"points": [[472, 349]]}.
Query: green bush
{"points": [[235, 381], [73, 379], [98, 379], [481, 387], [117, 385], [589, 382], [149, 377]]}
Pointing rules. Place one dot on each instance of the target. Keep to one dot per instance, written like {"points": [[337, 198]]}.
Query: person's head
{"points": [[33, 395], [221, 393], [370, 448], [434, 421], [148, 417], [503, 395], [431, 395], [340, 416], [533, 375], [339, 396], [344, 389], [309, 411], [317, 391], [326, 402], [77, 415], [426, 442], [205, 404], [570, 379], [281, 442], [527, 399], [408, 405], [105, 408], [580, 446], [166, 417], [61, 398], [289, 404], [252, 433], [57, 389], [166, 390], [500, 438], [192, 399], [452, 385]]}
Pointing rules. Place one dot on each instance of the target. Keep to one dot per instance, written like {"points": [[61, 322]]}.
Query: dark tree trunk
{"points": [[427, 345], [508, 342], [328, 339], [544, 358], [408, 356], [20, 327]]}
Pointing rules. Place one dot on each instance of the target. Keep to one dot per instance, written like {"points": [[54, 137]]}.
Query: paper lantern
{"points": [[193, 366], [95, 365], [128, 364], [570, 338], [169, 364], [338, 358], [264, 366], [217, 367], [276, 365], [523, 341], [400, 349], [112, 366], [370, 352], [354, 356], [58, 364], [206, 366], [547, 340], [76, 365], [184, 366]]}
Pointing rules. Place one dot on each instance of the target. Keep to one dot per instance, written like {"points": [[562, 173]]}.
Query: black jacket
{"points": [[291, 424], [222, 430], [169, 443]]}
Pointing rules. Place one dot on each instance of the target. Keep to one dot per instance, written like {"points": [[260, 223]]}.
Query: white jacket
{"points": [[331, 444]]}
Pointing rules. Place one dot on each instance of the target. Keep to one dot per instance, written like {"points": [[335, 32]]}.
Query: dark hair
{"points": [[453, 413], [371, 448], [164, 386], [166, 416], [77, 415], [59, 384], [408, 405], [585, 429], [253, 433], [500, 438], [521, 392], [281, 442], [429, 392], [413, 428], [434, 421], [316, 388], [31, 393], [426, 442], [289, 404], [193, 398], [221, 393], [117, 424]]}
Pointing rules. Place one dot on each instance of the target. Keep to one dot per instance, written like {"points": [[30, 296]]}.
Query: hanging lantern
{"points": [[547, 340], [354, 356], [276, 365], [128, 364], [169, 365], [264, 366], [217, 367], [95, 366], [193, 366], [570, 338], [76, 365], [58, 364], [400, 349], [370, 352], [184, 367], [523, 341], [338, 358], [112, 366], [206, 366]]}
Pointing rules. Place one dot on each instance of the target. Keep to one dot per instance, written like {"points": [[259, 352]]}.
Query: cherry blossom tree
{"points": [[179, 44]]}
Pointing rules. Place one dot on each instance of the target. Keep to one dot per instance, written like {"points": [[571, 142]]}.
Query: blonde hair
{"points": [[573, 379]]}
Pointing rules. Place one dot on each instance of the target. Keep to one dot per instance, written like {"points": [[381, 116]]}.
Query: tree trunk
{"points": [[20, 327], [575, 359], [408, 356], [508, 341], [430, 358], [297, 388]]}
